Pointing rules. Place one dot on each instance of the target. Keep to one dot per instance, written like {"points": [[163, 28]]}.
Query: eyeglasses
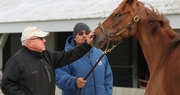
{"points": [[41, 38], [82, 33]]}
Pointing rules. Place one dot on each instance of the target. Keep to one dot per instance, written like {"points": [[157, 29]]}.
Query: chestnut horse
{"points": [[159, 43]]}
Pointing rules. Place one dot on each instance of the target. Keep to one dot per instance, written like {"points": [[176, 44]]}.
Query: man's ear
{"points": [[28, 42]]}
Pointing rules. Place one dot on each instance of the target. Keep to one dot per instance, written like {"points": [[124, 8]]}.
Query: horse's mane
{"points": [[155, 21], [175, 43]]}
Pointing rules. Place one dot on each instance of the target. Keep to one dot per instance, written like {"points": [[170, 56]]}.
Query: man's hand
{"points": [[80, 82], [90, 37]]}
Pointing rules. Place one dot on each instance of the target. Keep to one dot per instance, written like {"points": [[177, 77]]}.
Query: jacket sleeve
{"points": [[64, 80], [9, 80], [67, 57], [108, 78]]}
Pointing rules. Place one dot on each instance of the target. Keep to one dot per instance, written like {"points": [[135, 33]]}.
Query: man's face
{"points": [[37, 43], [81, 37]]}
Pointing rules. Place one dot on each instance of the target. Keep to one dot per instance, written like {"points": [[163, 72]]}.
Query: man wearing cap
{"points": [[30, 71], [69, 78]]}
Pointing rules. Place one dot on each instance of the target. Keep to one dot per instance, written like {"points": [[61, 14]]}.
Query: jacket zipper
{"points": [[48, 73], [93, 76], [49, 77]]}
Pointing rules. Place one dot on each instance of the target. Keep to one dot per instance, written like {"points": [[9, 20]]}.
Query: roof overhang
{"points": [[66, 25]]}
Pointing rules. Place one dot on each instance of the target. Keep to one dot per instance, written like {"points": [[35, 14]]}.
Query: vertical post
{"points": [[134, 63], [3, 39]]}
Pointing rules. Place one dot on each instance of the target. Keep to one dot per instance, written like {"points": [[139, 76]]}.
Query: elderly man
{"points": [[30, 71]]}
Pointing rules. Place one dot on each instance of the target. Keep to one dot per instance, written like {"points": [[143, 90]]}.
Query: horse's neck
{"points": [[154, 47]]}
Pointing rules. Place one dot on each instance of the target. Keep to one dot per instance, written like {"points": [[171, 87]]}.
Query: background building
{"points": [[60, 16]]}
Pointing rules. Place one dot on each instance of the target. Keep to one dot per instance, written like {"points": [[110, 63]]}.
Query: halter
{"points": [[111, 37]]}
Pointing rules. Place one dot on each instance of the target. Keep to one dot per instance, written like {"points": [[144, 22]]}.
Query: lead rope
{"points": [[104, 53]]}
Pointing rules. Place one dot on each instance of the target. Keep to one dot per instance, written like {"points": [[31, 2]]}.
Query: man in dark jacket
{"points": [[30, 71]]}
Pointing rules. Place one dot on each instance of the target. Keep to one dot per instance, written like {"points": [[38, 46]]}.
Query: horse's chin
{"points": [[100, 45], [98, 41]]}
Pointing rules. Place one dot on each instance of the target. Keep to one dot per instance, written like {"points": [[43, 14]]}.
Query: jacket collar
{"points": [[37, 54]]}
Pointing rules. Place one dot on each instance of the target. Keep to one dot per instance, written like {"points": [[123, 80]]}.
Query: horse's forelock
{"points": [[130, 1]]}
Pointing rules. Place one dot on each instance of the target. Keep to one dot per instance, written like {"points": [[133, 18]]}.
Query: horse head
{"points": [[159, 42], [120, 24]]}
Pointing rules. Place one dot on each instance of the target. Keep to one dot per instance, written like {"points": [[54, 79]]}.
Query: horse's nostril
{"points": [[94, 36]]}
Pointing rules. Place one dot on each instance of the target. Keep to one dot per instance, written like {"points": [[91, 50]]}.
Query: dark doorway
{"points": [[60, 40]]}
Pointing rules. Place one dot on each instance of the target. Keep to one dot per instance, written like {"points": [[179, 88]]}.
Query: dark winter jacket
{"points": [[32, 73]]}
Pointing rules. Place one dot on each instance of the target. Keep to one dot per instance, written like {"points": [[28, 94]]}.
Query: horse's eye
{"points": [[118, 15]]}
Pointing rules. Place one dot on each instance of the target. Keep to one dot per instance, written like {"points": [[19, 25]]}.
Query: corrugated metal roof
{"points": [[44, 10]]}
